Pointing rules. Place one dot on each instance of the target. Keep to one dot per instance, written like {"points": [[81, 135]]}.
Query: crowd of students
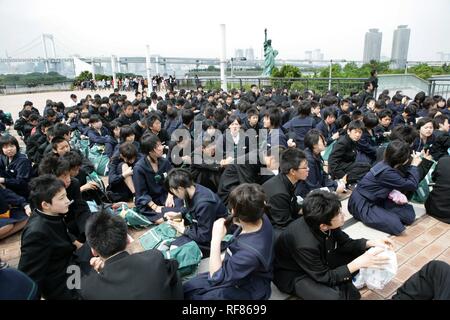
{"points": [[186, 157]]}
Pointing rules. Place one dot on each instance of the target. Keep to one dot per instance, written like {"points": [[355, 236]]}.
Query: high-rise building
{"points": [[372, 45], [308, 55], [249, 54], [239, 53], [400, 44], [317, 55]]}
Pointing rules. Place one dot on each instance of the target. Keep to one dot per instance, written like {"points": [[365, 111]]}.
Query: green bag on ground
{"points": [[423, 191], [326, 153], [99, 160], [133, 218], [188, 256], [93, 176]]}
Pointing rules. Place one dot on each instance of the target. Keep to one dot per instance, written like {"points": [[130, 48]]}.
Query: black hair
{"points": [[177, 178], [61, 129], [248, 202], [128, 150], [329, 111], [428, 102], [94, 118], [57, 140], [44, 188], [275, 117], [397, 152], [252, 112], [125, 132], [233, 118], [220, 114], [209, 123], [187, 116], [420, 97], [304, 109], [320, 207], [149, 143], [384, 113], [53, 164], [370, 120], [404, 132], [342, 121], [74, 158], [9, 139], [355, 125], [106, 233], [85, 115], [423, 121], [439, 119], [291, 159], [312, 138]]}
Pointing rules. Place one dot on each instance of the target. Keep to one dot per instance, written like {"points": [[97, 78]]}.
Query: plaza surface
{"points": [[425, 240]]}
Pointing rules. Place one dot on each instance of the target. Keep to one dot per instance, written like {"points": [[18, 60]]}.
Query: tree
{"points": [[286, 71]]}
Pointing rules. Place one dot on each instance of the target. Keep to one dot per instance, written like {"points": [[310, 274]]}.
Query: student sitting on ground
{"points": [[373, 202], [343, 158], [148, 179], [317, 177], [46, 248], [15, 285], [14, 212], [425, 140], [121, 276], [315, 259], [120, 174], [201, 208], [246, 270], [442, 138], [438, 202], [280, 190], [15, 168]]}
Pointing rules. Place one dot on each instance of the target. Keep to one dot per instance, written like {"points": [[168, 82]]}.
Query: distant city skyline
{"points": [[191, 29], [400, 46], [372, 45]]}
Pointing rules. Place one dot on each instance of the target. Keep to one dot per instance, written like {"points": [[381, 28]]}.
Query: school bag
{"points": [[423, 190], [99, 159], [132, 216]]}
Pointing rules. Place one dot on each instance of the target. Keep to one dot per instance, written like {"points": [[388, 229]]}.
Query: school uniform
{"points": [[367, 147], [17, 173], [246, 270], [297, 129], [205, 208], [46, 253], [233, 149], [149, 186], [11, 206], [369, 201], [327, 130], [96, 137], [116, 182], [313, 264], [276, 137], [15, 285], [140, 276], [78, 213], [343, 161], [282, 201], [124, 120], [438, 202], [418, 145], [441, 145], [379, 131], [317, 177]]}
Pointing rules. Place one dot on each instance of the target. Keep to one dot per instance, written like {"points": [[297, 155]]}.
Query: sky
{"points": [[177, 28]]}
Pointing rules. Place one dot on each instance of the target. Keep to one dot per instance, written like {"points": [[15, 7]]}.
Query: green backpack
{"points": [[98, 159], [423, 190], [133, 218]]}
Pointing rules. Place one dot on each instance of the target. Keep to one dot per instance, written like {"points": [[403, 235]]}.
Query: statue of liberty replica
{"points": [[269, 56]]}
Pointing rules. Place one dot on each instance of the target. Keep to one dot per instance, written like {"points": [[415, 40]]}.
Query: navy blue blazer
{"points": [[17, 173], [149, 186], [297, 129]]}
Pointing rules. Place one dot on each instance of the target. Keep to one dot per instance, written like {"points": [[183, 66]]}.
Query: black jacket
{"points": [[282, 200], [438, 202], [342, 157], [302, 252], [140, 276], [46, 253]]}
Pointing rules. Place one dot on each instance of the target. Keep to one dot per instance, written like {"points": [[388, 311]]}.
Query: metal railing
{"points": [[343, 85], [439, 86]]}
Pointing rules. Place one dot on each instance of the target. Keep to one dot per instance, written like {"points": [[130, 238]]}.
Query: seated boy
{"points": [[47, 250], [144, 276]]}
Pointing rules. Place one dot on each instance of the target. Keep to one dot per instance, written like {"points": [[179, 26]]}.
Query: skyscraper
{"points": [[308, 55], [400, 46], [372, 45], [238, 53], [249, 54]]}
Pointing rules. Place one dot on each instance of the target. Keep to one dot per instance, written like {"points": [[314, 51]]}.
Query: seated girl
{"points": [[148, 179], [246, 270], [15, 167], [201, 208], [14, 212], [371, 201], [426, 137]]}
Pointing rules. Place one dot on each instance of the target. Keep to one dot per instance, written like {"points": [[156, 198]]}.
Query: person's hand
{"points": [[344, 179], [186, 159], [169, 202], [341, 187], [426, 154], [386, 134], [177, 225], [27, 210], [226, 161], [335, 136], [91, 185], [291, 143], [416, 159], [172, 215], [158, 209], [382, 243], [128, 172], [371, 260], [219, 230], [97, 263], [404, 100], [77, 244]]}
